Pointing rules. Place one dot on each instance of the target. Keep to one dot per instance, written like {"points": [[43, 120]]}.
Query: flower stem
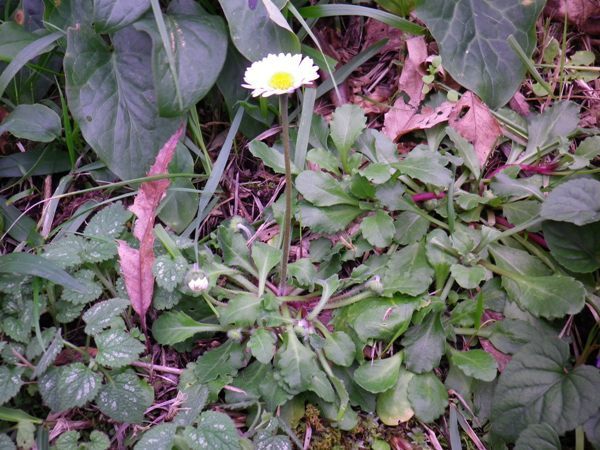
{"points": [[287, 218]]}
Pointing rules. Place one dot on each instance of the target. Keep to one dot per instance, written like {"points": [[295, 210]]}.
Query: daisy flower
{"points": [[279, 74]]}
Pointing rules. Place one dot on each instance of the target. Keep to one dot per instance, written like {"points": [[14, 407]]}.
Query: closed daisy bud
{"points": [[279, 74], [196, 280]]}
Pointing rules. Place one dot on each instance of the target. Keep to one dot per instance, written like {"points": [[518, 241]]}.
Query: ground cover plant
{"points": [[402, 254]]}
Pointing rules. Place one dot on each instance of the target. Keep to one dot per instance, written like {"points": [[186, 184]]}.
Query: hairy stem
{"points": [[287, 218]]}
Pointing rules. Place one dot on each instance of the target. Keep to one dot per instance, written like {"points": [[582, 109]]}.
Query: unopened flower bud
{"points": [[375, 285], [197, 281]]}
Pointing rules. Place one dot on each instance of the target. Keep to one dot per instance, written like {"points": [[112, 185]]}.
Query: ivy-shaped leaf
{"points": [[540, 386]]}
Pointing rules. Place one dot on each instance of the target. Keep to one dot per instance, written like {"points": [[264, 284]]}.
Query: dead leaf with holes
{"points": [[404, 118], [136, 264], [474, 121]]}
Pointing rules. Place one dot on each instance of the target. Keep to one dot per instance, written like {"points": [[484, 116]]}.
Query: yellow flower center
{"points": [[281, 80]]}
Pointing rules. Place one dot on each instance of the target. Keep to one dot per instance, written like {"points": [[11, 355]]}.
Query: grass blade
{"points": [[308, 105], [318, 11], [36, 48], [27, 264]]}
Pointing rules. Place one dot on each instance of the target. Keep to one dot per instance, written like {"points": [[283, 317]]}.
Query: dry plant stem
{"points": [[287, 218]]}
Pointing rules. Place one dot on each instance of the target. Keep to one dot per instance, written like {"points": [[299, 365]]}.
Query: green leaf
{"points": [[339, 349], [509, 335], [33, 122], [262, 345], [379, 318], [219, 362], [296, 364], [13, 38], [522, 211], [70, 386], [234, 248], [263, 441], [408, 272], [110, 16], [27, 264], [379, 375], [159, 437], [426, 166], [506, 186], [473, 43], [346, 125], [410, 228], [477, 364], [559, 120], [109, 222], [253, 32], [116, 348], [466, 151], [393, 406], [592, 430], [180, 205], [424, 344], [176, 326], [111, 97], [467, 277], [378, 229], [428, 397], [196, 41], [539, 436], [321, 189], [576, 248], [92, 289], [102, 314], [69, 440], [215, 431], [241, 310], [196, 398], [575, 201], [377, 173], [66, 252], [304, 271], [169, 272], [587, 151], [265, 258], [6, 443], [325, 159], [10, 382], [549, 297], [539, 385], [49, 355], [327, 220], [125, 397], [270, 156]]}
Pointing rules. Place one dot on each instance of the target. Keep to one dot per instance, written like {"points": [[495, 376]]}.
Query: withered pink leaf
{"points": [[404, 118], [472, 119], [411, 78], [136, 264]]}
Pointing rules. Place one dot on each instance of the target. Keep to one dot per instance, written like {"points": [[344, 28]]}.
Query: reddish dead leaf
{"points": [[501, 358], [136, 265], [411, 78], [404, 118], [473, 121], [583, 13]]}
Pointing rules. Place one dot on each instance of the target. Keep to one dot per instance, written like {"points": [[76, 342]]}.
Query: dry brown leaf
{"points": [[411, 78], [578, 12], [136, 265], [404, 118], [473, 121]]}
